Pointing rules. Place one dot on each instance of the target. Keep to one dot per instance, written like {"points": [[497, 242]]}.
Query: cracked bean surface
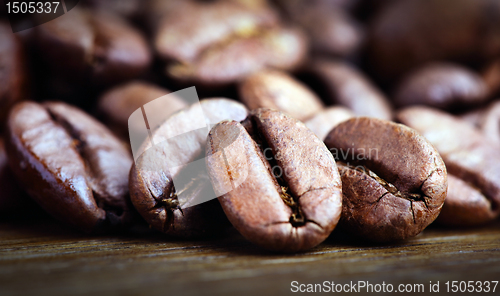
{"points": [[276, 181], [394, 181], [171, 209]]}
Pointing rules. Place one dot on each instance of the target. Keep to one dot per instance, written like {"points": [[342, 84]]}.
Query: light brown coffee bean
{"points": [[117, 104], [331, 30], [70, 164], [277, 90], [346, 86], [487, 120], [279, 48], [465, 205], [468, 154], [175, 208], [324, 121], [441, 85], [276, 181], [180, 39], [228, 42], [393, 180]]}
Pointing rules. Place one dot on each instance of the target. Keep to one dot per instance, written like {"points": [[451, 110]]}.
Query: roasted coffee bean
{"points": [[491, 76], [330, 29], [346, 86], [468, 154], [393, 180], [407, 34], [487, 120], [465, 205], [176, 208], [13, 199], [158, 10], [92, 47], [117, 104], [324, 121], [70, 164], [12, 71], [280, 48], [228, 42], [279, 91], [276, 181], [442, 85], [180, 39]]}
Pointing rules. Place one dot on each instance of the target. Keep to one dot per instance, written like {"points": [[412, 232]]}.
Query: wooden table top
{"points": [[42, 257]]}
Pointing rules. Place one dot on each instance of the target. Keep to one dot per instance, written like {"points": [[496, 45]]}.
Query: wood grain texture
{"points": [[41, 257]]}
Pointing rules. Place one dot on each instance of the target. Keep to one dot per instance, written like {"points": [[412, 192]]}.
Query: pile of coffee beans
{"points": [[375, 118]]}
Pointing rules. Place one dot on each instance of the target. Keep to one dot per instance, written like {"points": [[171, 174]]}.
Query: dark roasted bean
{"points": [[347, 86], [12, 71], [97, 48], [116, 105], [276, 181], [442, 85], [393, 179], [407, 34], [175, 209], [70, 164]]}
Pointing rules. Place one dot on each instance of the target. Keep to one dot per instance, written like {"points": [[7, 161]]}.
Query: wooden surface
{"points": [[41, 257]]}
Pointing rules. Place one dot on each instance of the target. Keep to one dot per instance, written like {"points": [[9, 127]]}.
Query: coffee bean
{"points": [[179, 208], [332, 31], [228, 42], [13, 199], [92, 47], [280, 48], [487, 120], [465, 205], [468, 154], [324, 121], [276, 181], [117, 104], [70, 164], [277, 90], [12, 71], [406, 34], [347, 86], [491, 76], [393, 179], [179, 39], [441, 85]]}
